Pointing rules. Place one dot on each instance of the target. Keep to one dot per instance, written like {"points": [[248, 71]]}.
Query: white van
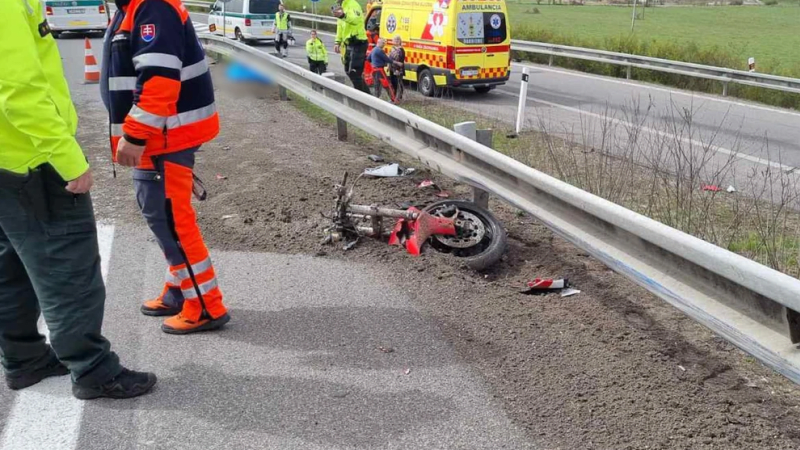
{"points": [[76, 15], [245, 20]]}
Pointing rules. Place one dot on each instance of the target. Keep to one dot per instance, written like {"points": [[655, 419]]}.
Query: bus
{"points": [[76, 16], [245, 20]]}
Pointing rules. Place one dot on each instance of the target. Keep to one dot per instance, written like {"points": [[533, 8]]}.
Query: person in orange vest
{"points": [[157, 87]]}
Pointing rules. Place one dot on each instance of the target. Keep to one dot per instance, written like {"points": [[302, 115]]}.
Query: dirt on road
{"points": [[610, 368]]}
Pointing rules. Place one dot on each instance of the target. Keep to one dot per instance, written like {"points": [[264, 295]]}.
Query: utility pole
{"points": [[633, 16]]}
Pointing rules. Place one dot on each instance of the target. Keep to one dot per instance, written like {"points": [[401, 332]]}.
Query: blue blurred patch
{"points": [[238, 72]]}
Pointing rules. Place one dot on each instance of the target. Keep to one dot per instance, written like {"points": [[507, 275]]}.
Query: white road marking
{"points": [[695, 142], [47, 416], [659, 89]]}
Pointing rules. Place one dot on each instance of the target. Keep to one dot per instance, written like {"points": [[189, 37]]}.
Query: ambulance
{"points": [[448, 43], [76, 15], [245, 20]]}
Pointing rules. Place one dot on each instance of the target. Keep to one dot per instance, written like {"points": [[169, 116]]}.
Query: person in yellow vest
{"points": [[317, 54], [283, 31], [351, 40], [49, 257]]}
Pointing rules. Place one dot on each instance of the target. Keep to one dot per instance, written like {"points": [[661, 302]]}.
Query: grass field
{"points": [[770, 34]]}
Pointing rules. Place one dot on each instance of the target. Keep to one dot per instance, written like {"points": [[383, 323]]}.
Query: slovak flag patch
{"points": [[148, 32]]}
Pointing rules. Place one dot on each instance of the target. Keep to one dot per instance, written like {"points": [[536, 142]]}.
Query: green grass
{"points": [[770, 34]]}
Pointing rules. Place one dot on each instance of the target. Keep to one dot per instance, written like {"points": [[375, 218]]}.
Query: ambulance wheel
{"points": [[56, 34], [483, 89], [239, 35], [426, 83], [480, 239]]}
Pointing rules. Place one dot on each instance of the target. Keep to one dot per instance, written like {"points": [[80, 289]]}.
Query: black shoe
{"points": [[53, 369], [127, 384]]}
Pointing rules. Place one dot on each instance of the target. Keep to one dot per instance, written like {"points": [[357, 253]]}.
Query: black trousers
{"points": [[397, 85], [281, 40], [318, 67], [354, 59], [50, 264]]}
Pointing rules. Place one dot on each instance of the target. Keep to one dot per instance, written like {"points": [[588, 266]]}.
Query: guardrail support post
{"points": [[628, 72], [550, 61], [479, 196], [724, 88], [341, 125], [484, 137], [284, 96]]}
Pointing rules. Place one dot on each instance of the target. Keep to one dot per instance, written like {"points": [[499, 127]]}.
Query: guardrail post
{"points": [[479, 196], [341, 125], [628, 72], [724, 88], [484, 137], [284, 96], [550, 61]]}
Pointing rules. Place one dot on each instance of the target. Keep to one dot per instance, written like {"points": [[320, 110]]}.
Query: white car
{"points": [[245, 20], [76, 15]]}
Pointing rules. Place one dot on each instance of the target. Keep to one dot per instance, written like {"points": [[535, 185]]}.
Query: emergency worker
{"points": [[49, 257], [317, 54], [283, 31], [351, 34], [157, 88]]}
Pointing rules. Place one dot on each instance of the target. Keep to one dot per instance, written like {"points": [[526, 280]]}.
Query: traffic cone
{"points": [[91, 73]]}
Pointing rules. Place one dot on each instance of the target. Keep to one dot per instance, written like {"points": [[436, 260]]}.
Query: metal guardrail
{"points": [[747, 303], [721, 74]]}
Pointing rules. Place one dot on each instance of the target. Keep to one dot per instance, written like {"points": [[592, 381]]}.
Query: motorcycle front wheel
{"points": [[480, 239]]}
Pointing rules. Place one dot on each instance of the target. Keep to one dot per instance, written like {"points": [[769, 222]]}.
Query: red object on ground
{"points": [[711, 187], [414, 233], [547, 283]]}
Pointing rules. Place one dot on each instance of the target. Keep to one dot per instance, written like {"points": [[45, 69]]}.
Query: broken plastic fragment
{"points": [[388, 170], [569, 292]]}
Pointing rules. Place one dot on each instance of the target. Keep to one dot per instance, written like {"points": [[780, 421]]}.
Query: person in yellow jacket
{"points": [[351, 34], [317, 54], [49, 257]]}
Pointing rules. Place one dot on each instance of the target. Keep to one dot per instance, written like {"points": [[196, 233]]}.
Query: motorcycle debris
{"points": [[375, 158], [542, 286], [569, 292], [427, 183], [229, 216], [442, 194], [731, 189], [407, 371], [389, 170], [386, 349], [221, 177], [350, 245]]}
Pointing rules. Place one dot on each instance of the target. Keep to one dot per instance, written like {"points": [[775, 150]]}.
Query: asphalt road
{"points": [[299, 367], [588, 109]]}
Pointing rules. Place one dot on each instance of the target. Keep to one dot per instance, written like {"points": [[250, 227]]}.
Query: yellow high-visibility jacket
{"points": [[37, 118]]}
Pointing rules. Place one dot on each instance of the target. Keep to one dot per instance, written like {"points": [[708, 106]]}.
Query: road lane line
{"points": [[645, 85], [722, 150], [47, 416]]}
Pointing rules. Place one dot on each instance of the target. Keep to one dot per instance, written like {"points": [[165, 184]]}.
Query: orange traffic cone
{"points": [[91, 73]]}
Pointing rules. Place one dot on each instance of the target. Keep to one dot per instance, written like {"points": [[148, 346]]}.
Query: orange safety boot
{"points": [[182, 324], [157, 307]]}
